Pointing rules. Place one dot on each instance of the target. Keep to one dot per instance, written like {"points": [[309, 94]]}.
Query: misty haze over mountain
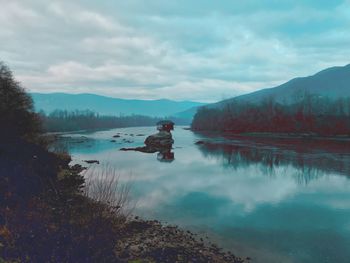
{"points": [[110, 106]]}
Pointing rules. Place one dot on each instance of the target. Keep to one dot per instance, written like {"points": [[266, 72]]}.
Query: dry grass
{"points": [[104, 187]]}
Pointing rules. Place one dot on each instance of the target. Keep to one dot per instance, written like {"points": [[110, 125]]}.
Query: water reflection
{"points": [[309, 158], [81, 144], [166, 156], [275, 201]]}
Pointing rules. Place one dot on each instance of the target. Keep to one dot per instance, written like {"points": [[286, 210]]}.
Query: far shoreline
{"points": [[272, 135]]}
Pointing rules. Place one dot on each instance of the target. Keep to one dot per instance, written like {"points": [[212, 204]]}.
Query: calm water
{"points": [[272, 200]]}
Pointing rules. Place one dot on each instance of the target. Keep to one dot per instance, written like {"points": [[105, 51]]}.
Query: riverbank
{"points": [[273, 135], [46, 216], [150, 241], [295, 136]]}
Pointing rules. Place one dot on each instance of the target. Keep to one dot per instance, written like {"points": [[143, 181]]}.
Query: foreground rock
{"points": [[153, 242]]}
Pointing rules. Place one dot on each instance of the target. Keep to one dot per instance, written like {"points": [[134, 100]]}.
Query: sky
{"points": [[201, 50]]}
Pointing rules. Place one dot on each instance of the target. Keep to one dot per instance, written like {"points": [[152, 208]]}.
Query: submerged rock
{"points": [[92, 161], [143, 149]]}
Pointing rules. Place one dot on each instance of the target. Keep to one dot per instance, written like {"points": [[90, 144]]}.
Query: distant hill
{"points": [[110, 106], [332, 83], [315, 105]]}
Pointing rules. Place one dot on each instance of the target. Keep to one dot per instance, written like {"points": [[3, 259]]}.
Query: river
{"points": [[285, 200]]}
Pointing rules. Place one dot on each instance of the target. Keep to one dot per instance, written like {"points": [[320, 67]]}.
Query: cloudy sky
{"points": [[201, 50]]}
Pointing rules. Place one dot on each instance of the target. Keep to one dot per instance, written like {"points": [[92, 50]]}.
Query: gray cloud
{"points": [[200, 50]]}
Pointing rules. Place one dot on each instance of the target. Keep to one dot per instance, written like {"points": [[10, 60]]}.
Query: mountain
{"points": [[110, 106], [332, 83], [317, 105], [187, 114]]}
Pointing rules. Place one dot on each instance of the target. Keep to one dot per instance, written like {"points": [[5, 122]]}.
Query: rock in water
{"points": [[160, 140]]}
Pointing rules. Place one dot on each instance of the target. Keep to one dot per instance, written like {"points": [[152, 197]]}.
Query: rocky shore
{"points": [[150, 241], [56, 222]]}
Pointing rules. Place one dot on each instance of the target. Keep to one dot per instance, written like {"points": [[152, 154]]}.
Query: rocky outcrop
{"points": [[159, 141]]}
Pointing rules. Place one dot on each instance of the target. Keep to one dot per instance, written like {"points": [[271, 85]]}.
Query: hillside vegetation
{"points": [[316, 105]]}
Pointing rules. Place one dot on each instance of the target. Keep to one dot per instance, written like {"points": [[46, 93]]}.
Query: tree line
{"points": [[311, 114], [63, 121]]}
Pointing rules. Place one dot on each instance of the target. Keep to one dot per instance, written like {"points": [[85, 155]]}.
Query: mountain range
{"points": [[49, 102], [332, 82]]}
